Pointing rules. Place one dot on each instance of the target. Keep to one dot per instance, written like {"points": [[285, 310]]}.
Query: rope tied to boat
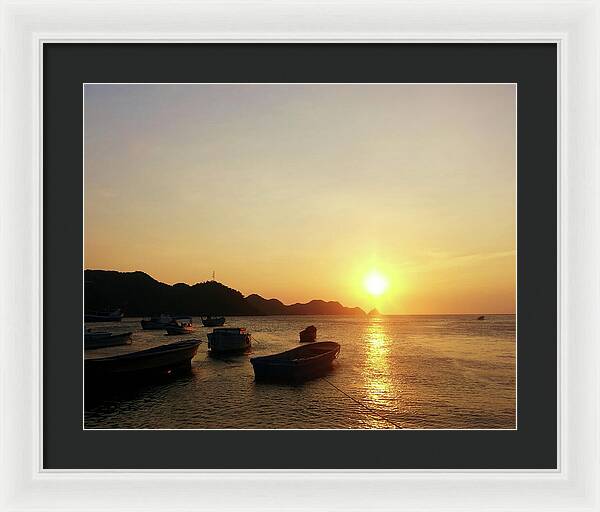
{"points": [[256, 340], [372, 411]]}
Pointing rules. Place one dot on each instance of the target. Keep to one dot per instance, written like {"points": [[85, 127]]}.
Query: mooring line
{"points": [[372, 411], [255, 339]]}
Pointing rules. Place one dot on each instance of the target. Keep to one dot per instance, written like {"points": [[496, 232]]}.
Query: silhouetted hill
{"points": [[267, 306], [374, 312], [138, 294], [320, 307], [314, 307]]}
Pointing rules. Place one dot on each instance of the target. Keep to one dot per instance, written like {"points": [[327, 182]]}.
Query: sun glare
{"points": [[375, 283]]}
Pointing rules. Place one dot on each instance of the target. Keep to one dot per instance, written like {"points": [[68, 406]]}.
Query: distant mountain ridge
{"points": [[139, 294], [276, 307]]}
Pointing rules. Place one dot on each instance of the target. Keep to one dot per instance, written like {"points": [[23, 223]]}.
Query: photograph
{"points": [[300, 257], [307, 256]]}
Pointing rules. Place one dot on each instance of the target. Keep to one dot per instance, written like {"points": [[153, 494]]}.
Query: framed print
{"points": [[158, 160], [350, 265]]}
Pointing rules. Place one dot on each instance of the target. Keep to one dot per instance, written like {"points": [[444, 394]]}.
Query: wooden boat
{"points": [[229, 339], [180, 325], [163, 359], [296, 365], [101, 339], [481, 317], [210, 321], [308, 335], [103, 316], [156, 323]]}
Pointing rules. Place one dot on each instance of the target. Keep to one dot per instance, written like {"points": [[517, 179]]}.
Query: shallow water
{"points": [[392, 372]]}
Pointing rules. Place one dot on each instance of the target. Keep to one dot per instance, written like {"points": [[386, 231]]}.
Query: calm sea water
{"points": [[393, 372]]}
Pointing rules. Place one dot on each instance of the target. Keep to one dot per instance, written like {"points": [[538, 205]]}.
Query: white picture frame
{"points": [[26, 26]]}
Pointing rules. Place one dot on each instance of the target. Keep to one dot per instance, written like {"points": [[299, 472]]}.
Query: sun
{"points": [[375, 283]]}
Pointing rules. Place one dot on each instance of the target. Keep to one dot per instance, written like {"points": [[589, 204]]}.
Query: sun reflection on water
{"points": [[378, 385]]}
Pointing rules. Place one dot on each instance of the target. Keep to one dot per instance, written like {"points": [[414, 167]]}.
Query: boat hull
{"points": [[163, 359], [297, 365], [110, 340]]}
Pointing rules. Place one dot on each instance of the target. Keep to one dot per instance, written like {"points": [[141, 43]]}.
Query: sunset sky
{"points": [[301, 191]]}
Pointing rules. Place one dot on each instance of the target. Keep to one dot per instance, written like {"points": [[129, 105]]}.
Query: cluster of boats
{"points": [[155, 322], [172, 324], [298, 364], [184, 323]]}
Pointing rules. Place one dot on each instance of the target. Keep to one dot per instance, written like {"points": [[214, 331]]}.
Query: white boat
{"points": [[180, 325], [156, 323], [229, 339], [210, 321], [101, 339]]}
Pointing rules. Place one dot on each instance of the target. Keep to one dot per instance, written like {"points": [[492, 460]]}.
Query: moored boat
{"points": [[101, 339], [298, 364], [162, 359], [156, 322], [103, 316], [180, 325], [211, 321], [229, 339], [308, 335]]}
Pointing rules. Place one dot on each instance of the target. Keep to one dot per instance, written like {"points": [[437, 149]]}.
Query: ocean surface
{"points": [[414, 372]]}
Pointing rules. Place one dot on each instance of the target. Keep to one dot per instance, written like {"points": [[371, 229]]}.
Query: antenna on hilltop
{"points": [[213, 275]]}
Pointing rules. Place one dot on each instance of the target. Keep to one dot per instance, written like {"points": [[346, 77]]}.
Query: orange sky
{"points": [[299, 191]]}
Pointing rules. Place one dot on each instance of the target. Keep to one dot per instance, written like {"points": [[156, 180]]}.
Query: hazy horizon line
{"points": [[308, 301]]}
